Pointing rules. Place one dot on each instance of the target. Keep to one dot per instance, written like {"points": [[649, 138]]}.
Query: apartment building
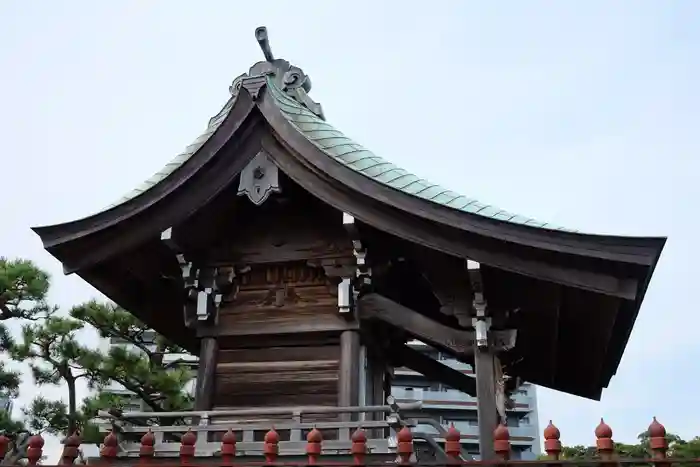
{"points": [[449, 406]]}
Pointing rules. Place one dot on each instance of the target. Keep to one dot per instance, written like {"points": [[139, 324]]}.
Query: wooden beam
{"points": [[456, 342], [375, 306], [349, 371], [206, 374], [433, 370]]}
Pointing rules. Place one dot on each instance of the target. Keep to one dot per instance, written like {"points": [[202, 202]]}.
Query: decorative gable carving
{"points": [[259, 179]]}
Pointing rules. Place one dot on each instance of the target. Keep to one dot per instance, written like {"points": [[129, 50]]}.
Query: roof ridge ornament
{"points": [[264, 42], [288, 78]]}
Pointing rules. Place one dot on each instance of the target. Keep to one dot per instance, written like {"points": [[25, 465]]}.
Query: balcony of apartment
{"points": [[452, 399]]}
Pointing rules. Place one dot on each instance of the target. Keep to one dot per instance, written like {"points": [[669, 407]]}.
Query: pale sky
{"points": [[578, 113]]}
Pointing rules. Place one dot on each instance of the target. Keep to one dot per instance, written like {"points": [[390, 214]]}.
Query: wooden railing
{"points": [[250, 428]]}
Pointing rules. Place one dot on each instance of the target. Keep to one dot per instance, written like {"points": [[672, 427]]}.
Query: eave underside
{"points": [[566, 338], [598, 281]]}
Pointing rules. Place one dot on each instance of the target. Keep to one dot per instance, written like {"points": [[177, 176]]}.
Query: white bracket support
{"points": [[363, 273], [482, 322]]}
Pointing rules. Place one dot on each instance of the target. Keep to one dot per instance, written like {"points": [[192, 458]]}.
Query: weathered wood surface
{"points": [[279, 383], [279, 331], [206, 374], [291, 226], [277, 376], [258, 363], [485, 371], [282, 299], [349, 369]]}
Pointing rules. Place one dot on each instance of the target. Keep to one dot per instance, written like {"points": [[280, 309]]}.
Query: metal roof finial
{"points": [[263, 41]]}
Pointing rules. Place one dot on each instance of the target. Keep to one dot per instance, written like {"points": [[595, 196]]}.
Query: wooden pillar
{"points": [[349, 377], [374, 375], [484, 369], [374, 395], [206, 373]]}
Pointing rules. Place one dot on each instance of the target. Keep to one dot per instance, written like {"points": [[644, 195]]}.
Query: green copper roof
{"points": [[354, 156], [347, 152], [181, 158]]}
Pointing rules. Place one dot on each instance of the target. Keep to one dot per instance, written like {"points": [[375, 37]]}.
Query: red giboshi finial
{"points": [[271, 445], [187, 443], [656, 429], [453, 443], [657, 439], [501, 441], [405, 445], [552, 445], [148, 440], [228, 447], [359, 446], [110, 446], [313, 445], [604, 441], [34, 449]]}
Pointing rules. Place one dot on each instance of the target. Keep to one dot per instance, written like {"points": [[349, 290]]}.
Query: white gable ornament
{"points": [[259, 179]]}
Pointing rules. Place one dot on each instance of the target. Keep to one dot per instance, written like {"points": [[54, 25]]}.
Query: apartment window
{"points": [[470, 419], [512, 421], [450, 421]]}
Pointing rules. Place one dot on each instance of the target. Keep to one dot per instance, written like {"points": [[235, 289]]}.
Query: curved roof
{"points": [[348, 152]]}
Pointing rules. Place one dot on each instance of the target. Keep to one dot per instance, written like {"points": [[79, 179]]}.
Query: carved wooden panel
{"points": [[282, 299]]}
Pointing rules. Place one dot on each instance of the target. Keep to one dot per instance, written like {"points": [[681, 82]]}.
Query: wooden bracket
{"points": [[450, 284], [204, 288]]}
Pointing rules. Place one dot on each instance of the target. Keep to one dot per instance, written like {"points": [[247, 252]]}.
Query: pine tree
{"points": [[23, 291], [139, 364], [55, 357], [50, 343]]}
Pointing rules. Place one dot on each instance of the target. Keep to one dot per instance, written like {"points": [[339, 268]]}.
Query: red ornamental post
{"points": [[228, 447], [109, 450], [501, 442], [4, 444], [359, 447], [658, 442], [604, 442], [71, 445], [405, 445], [313, 446], [271, 447], [35, 449], [147, 450], [552, 443], [187, 443], [453, 445]]}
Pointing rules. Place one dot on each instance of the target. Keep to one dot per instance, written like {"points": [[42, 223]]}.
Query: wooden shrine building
{"points": [[298, 264]]}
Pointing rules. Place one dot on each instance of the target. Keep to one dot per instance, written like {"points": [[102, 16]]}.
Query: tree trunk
{"points": [[72, 406]]}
